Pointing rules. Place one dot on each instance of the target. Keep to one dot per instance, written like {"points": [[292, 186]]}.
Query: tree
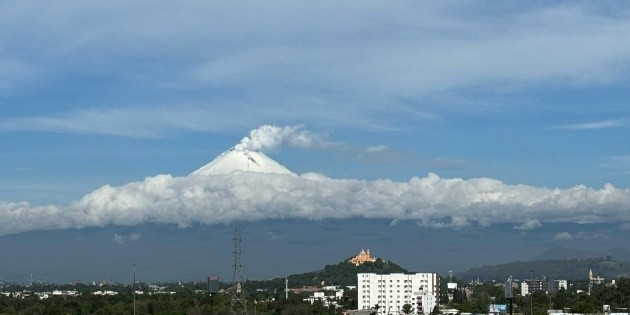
{"points": [[459, 296], [584, 304], [318, 308], [623, 289], [606, 295], [375, 311], [406, 308], [561, 299]]}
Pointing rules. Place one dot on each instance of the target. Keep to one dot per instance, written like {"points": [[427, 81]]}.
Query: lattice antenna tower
{"points": [[237, 305]]}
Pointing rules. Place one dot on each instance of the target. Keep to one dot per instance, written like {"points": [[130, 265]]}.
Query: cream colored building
{"points": [[362, 257]]}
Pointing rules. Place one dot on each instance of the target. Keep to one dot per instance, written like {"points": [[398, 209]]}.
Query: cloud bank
{"points": [[432, 201]]}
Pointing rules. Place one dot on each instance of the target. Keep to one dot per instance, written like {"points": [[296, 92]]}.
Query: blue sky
{"points": [[534, 96]]}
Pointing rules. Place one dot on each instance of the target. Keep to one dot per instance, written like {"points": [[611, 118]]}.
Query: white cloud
{"points": [[134, 236], [563, 236], [271, 137], [120, 238], [272, 236], [594, 125], [375, 149], [529, 225], [452, 222], [245, 196], [134, 121]]}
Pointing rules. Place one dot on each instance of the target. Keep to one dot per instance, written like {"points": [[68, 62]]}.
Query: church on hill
{"points": [[361, 258]]}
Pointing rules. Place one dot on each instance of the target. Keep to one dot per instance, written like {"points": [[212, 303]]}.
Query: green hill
{"points": [[342, 274]]}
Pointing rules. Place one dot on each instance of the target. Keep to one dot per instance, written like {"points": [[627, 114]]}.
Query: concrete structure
{"points": [[362, 257], [451, 287], [392, 291], [529, 286], [327, 300], [556, 285], [594, 279]]}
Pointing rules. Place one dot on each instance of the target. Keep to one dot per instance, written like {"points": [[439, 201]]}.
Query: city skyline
{"points": [[460, 123]]}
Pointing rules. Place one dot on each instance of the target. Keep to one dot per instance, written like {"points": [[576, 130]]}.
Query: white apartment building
{"points": [[391, 291]]}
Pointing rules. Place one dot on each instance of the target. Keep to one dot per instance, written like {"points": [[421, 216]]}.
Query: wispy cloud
{"points": [[449, 163], [594, 125], [344, 69], [529, 225], [135, 121], [376, 149], [121, 238]]}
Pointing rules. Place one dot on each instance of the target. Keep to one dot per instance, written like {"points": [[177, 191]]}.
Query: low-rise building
{"points": [[327, 300]]}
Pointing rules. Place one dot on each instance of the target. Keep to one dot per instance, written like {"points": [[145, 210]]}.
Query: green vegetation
{"points": [[268, 297], [476, 299], [343, 274], [187, 300], [263, 297]]}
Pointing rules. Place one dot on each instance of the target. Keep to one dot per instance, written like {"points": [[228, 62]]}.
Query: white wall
{"points": [[392, 291]]}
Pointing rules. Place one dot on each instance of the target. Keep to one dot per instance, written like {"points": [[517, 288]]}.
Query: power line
{"points": [[237, 304]]}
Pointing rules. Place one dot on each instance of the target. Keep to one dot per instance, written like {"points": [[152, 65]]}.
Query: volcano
{"points": [[235, 160]]}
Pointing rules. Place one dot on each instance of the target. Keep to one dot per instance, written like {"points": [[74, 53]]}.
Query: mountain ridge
{"points": [[559, 252]]}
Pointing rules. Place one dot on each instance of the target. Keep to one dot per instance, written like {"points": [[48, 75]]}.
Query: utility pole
{"points": [[237, 304], [509, 295], [531, 295], [134, 289]]}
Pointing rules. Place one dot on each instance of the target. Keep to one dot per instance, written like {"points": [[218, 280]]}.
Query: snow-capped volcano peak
{"points": [[242, 160]]}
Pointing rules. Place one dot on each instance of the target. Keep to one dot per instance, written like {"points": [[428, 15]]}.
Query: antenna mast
{"points": [[237, 305]]}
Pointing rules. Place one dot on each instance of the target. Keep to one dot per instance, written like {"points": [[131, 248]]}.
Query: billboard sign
{"points": [[213, 284], [498, 308]]}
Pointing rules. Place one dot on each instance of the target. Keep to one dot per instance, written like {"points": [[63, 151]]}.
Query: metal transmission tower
{"points": [[237, 305]]}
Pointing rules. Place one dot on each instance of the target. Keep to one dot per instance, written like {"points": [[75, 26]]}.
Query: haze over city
{"points": [[438, 135]]}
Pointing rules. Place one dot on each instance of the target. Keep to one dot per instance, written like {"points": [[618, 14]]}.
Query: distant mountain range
{"points": [[558, 252], [558, 263]]}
